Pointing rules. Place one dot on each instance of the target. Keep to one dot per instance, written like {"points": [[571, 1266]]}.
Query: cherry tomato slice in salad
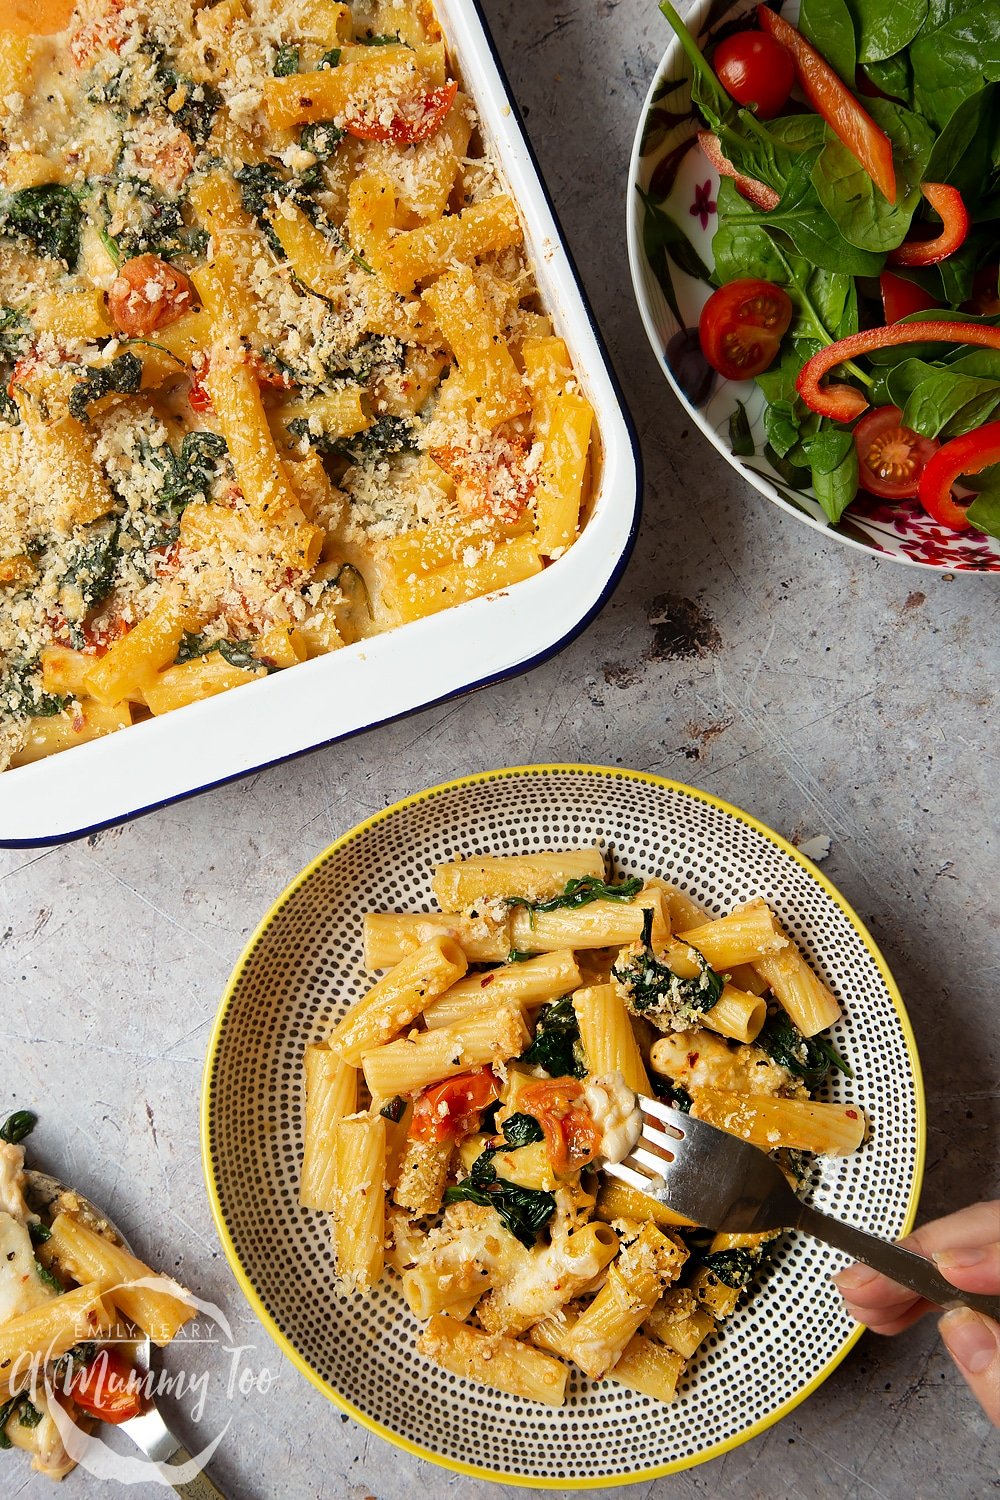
{"points": [[108, 1387], [901, 297], [891, 457], [753, 68], [742, 325]]}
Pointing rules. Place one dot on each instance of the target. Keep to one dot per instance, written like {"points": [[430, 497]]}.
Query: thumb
{"points": [[974, 1268], [974, 1344]]}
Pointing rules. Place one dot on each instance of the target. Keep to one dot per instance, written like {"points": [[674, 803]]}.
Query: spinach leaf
{"points": [[192, 106], [38, 1232], [382, 39], [862, 214], [740, 437], [884, 30], [236, 653], [123, 374], [18, 1126], [6, 1412], [662, 237], [836, 488], [808, 1058], [741, 246], [521, 1130], [524, 1211], [388, 436], [734, 1267], [286, 62], [49, 216], [671, 1093], [581, 891], [330, 59], [14, 334], [556, 1046], [29, 1415], [394, 1109], [827, 448], [190, 471], [829, 25], [962, 152], [810, 228], [655, 992], [145, 223], [894, 77], [46, 1276], [92, 569], [984, 512], [955, 60], [946, 404]]}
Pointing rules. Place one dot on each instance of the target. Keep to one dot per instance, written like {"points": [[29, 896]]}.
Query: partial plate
{"points": [[419, 664], [302, 968], [669, 166]]}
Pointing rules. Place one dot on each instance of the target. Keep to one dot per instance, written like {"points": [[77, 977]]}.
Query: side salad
{"points": [[857, 254]]}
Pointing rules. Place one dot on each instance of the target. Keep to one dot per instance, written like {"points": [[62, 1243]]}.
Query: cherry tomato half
{"points": [[892, 457], [754, 68], [451, 1109], [108, 1387], [742, 325]]}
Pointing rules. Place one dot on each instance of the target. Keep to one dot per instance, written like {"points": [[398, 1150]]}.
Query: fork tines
{"points": [[648, 1164]]}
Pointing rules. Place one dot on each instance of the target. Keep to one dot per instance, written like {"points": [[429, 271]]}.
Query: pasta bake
{"points": [[73, 1304], [275, 373], [458, 1114]]}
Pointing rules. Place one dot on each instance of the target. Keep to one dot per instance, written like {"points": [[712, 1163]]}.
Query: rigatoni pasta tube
{"points": [[359, 1199], [509, 563], [650, 1368], [530, 983], [83, 722], [616, 1200], [735, 1014], [494, 1360], [159, 1310], [331, 1093], [609, 1043], [801, 1124], [398, 998], [423, 1175], [599, 924], [429, 250], [459, 884], [680, 1321], [802, 995], [48, 1331], [390, 936], [564, 464], [542, 1280], [634, 1284], [413, 1062], [742, 937], [134, 661]]}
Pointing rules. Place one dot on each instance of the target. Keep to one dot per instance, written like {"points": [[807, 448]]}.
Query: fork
{"points": [[718, 1181]]}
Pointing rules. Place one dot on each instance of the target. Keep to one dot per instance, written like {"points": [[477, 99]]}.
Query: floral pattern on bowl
{"points": [[671, 223]]}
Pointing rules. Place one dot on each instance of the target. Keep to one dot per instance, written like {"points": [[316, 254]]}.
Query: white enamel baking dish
{"points": [[373, 681]]}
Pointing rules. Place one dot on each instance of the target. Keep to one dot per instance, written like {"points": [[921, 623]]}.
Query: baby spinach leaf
{"points": [[123, 374], [810, 228], [656, 993], [946, 404], [808, 1058], [521, 1130], [829, 25], [18, 1126], [984, 512], [556, 1046], [962, 152], [581, 892], [236, 653], [827, 449], [894, 77], [524, 1211], [93, 566], [286, 62], [190, 471], [863, 215], [734, 1267], [836, 488], [884, 30], [394, 1109], [49, 216], [955, 60]]}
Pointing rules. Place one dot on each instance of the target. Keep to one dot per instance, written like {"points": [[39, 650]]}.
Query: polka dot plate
{"points": [[301, 969]]}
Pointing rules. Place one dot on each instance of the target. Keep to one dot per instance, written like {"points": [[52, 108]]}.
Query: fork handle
{"points": [[903, 1266], [200, 1487]]}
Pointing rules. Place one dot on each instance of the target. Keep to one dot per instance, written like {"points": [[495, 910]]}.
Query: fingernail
{"points": [[970, 1338], [947, 1260], [853, 1278]]}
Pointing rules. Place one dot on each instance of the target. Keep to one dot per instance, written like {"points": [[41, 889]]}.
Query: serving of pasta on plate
{"points": [[458, 1114], [275, 373]]}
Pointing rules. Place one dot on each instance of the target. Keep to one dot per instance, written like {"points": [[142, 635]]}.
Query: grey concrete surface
{"points": [[822, 690]]}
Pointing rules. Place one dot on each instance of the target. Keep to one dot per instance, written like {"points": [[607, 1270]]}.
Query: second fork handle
{"points": [[903, 1266]]}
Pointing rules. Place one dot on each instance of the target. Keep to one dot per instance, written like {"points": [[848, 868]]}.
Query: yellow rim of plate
{"points": [[474, 1471]]}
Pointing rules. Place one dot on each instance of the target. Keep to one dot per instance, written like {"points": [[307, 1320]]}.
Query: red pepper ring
{"points": [[757, 193], [968, 454], [947, 203], [841, 402]]}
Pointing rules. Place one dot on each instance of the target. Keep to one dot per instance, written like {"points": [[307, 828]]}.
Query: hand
{"points": [[965, 1247]]}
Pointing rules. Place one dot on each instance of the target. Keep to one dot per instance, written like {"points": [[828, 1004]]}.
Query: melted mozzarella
{"points": [[616, 1113]]}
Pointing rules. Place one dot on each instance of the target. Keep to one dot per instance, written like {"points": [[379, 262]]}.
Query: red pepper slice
{"points": [[947, 203], [830, 98], [842, 403], [757, 193], [900, 297], [412, 121], [968, 454]]}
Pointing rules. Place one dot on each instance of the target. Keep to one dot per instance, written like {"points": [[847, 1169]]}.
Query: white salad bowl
{"points": [[418, 664], [668, 165]]}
